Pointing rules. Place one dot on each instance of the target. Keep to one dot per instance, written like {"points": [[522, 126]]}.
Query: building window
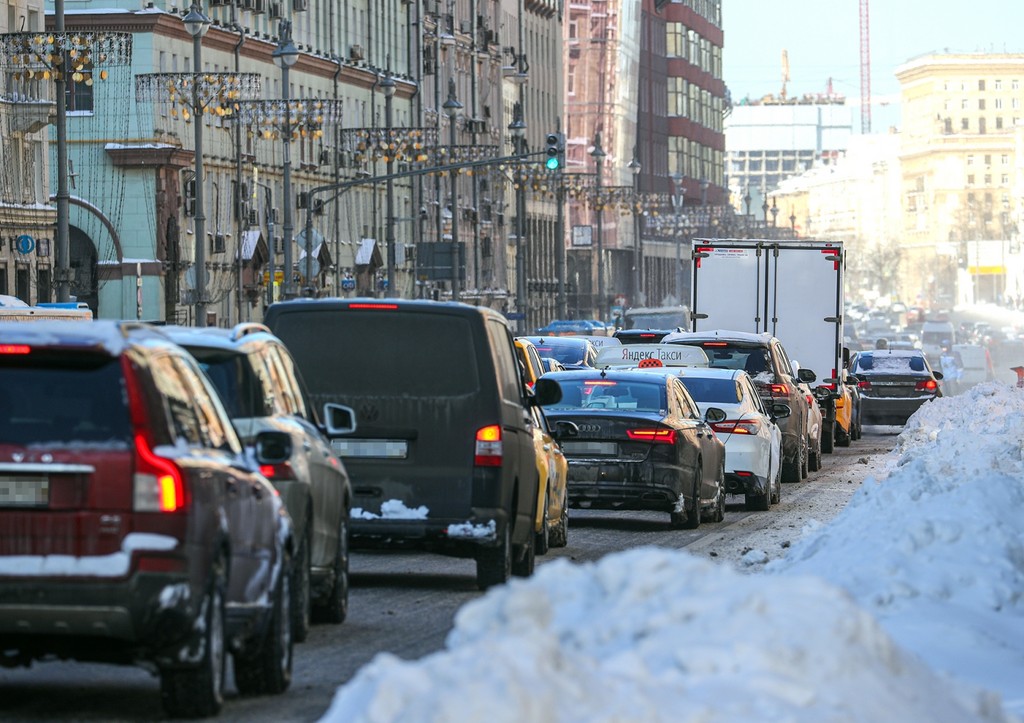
{"points": [[1014, 85], [43, 285], [981, 84], [999, 122], [79, 97], [964, 124], [970, 159], [1004, 159], [1004, 180], [981, 125], [997, 85], [675, 40], [1015, 103], [997, 103], [988, 159], [988, 182], [981, 104], [970, 179], [948, 125], [963, 104]]}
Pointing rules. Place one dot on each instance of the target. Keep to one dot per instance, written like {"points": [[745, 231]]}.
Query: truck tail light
{"points": [[488, 446], [657, 436], [927, 385], [736, 426]]}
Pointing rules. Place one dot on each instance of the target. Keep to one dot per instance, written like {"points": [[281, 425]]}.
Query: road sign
{"points": [[278, 277], [25, 244]]}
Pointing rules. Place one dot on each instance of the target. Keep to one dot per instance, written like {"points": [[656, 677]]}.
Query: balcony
{"points": [[27, 115]]}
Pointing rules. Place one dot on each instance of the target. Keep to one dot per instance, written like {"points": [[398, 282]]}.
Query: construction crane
{"points": [[785, 72], [865, 69]]}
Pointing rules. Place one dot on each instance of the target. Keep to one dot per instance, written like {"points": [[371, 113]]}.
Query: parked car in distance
{"points": [[551, 364], [442, 456], [635, 440], [894, 384], [765, 359], [133, 527], [752, 438], [572, 352], [262, 390]]}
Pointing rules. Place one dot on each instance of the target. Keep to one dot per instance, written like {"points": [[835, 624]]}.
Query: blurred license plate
{"points": [[590, 448], [387, 448], [24, 491]]}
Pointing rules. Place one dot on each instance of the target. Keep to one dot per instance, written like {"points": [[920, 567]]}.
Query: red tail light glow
{"points": [[277, 472], [15, 349], [743, 473], [716, 343], [157, 484], [657, 436], [488, 446], [864, 384], [780, 390], [927, 385], [388, 307], [736, 426], [599, 384]]}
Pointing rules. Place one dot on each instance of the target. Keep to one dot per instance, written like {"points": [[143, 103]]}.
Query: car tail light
{"points": [[743, 473], [736, 426], [157, 485], [658, 436], [927, 385], [15, 349], [376, 306], [864, 384], [716, 343], [488, 446], [810, 398], [780, 390], [278, 472], [646, 336]]}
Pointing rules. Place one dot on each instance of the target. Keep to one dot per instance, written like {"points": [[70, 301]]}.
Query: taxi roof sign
{"points": [[670, 355]]}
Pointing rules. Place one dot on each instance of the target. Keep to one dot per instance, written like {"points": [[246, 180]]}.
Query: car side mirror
{"points": [[546, 392], [339, 419], [807, 376], [714, 415], [273, 447], [780, 410], [937, 375], [852, 379]]}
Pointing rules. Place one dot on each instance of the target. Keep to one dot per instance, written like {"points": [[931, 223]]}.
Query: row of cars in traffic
{"points": [[173, 496]]}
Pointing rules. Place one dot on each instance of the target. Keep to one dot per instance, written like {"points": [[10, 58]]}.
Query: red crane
{"points": [[865, 69]]}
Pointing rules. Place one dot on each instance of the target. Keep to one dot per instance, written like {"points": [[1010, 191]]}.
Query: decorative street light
{"points": [[451, 109], [197, 24], [746, 200], [285, 55], [635, 167], [678, 202], [792, 220], [598, 155], [518, 131], [388, 87], [775, 211]]}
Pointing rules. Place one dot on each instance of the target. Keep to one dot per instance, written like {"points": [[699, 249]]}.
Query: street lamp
{"points": [[388, 87], [197, 24], [678, 201], [451, 109], [517, 129], [285, 55], [746, 200], [635, 167], [598, 155], [792, 220], [775, 212]]}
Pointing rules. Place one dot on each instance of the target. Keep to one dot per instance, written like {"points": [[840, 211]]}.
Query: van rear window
{"points": [[383, 353]]}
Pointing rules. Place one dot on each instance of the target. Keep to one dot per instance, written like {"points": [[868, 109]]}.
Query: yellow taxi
{"points": [[551, 523], [529, 358]]}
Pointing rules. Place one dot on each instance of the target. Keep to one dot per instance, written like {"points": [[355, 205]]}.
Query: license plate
{"points": [[24, 491], [383, 448], [603, 448]]}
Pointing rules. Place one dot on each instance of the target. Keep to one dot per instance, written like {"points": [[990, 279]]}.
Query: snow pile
{"points": [[936, 549], [659, 635]]}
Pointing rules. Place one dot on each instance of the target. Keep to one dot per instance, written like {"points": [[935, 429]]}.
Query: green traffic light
{"points": [[552, 163]]}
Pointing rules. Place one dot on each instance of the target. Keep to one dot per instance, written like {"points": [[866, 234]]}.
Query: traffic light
{"points": [[555, 150]]}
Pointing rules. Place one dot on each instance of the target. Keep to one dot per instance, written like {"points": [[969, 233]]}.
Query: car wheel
{"points": [[814, 456], [542, 539], [776, 493], [805, 453], [693, 516], [199, 692], [842, 437], [525, 560], [791, 469], [494, 564], [719, 515], [559, 536], [827, 437], [334, 608], [301, 598], [264, 665]]}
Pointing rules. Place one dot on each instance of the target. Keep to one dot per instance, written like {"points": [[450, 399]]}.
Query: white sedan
{"points": [[753, 440]]}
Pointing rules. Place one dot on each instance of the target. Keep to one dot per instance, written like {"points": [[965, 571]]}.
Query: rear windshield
{"points": [[656, 319], [384, 353], [610, 394], [237, 384], [723, 355], [888, 363], [725, 391], [567, 353], [62, 399]]}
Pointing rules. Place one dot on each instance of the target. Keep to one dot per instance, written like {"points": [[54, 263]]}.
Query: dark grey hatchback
{"points": [[442, 455], [893, 384]]}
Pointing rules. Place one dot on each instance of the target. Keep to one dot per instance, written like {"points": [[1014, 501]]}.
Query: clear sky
{"points": [[822, 40]]}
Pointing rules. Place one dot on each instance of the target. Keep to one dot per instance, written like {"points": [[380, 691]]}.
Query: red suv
{"points": [[132, 527]]}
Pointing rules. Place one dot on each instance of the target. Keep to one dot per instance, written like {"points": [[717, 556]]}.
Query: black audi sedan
{"points": [[635, 440], [893, 384]]}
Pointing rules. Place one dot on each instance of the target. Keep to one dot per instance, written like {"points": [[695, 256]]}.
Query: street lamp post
{"points": [[197, 24], [388, 87], [775, 212], [678, 201], [598, 155], [285, 55], [635, 167], [518, 131], [451, 108]]}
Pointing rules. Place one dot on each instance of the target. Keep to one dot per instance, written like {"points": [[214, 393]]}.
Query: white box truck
{"points": [[794, 291]]}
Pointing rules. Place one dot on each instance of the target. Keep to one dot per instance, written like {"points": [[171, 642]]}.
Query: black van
{"points": [[442, 455]]}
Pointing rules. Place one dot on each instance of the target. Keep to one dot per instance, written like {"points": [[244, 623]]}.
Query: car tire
{"points": [[719, 514], [776, 493], [301, 603], [333, 608], [559, 536], [828, 437], [842, 437], [542, 539], [494, 564], [791, 471], [525, 560], [692, 520], [264, 665], [814, 457], [199, 692], [805, 463]]}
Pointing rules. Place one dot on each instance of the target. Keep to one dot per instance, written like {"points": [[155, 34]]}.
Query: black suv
{"points": [[764, 358], [263, 391], [133, 527], [443, 458]]}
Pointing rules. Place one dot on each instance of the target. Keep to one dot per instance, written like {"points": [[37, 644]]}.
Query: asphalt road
{"points": [[405, 604]]}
